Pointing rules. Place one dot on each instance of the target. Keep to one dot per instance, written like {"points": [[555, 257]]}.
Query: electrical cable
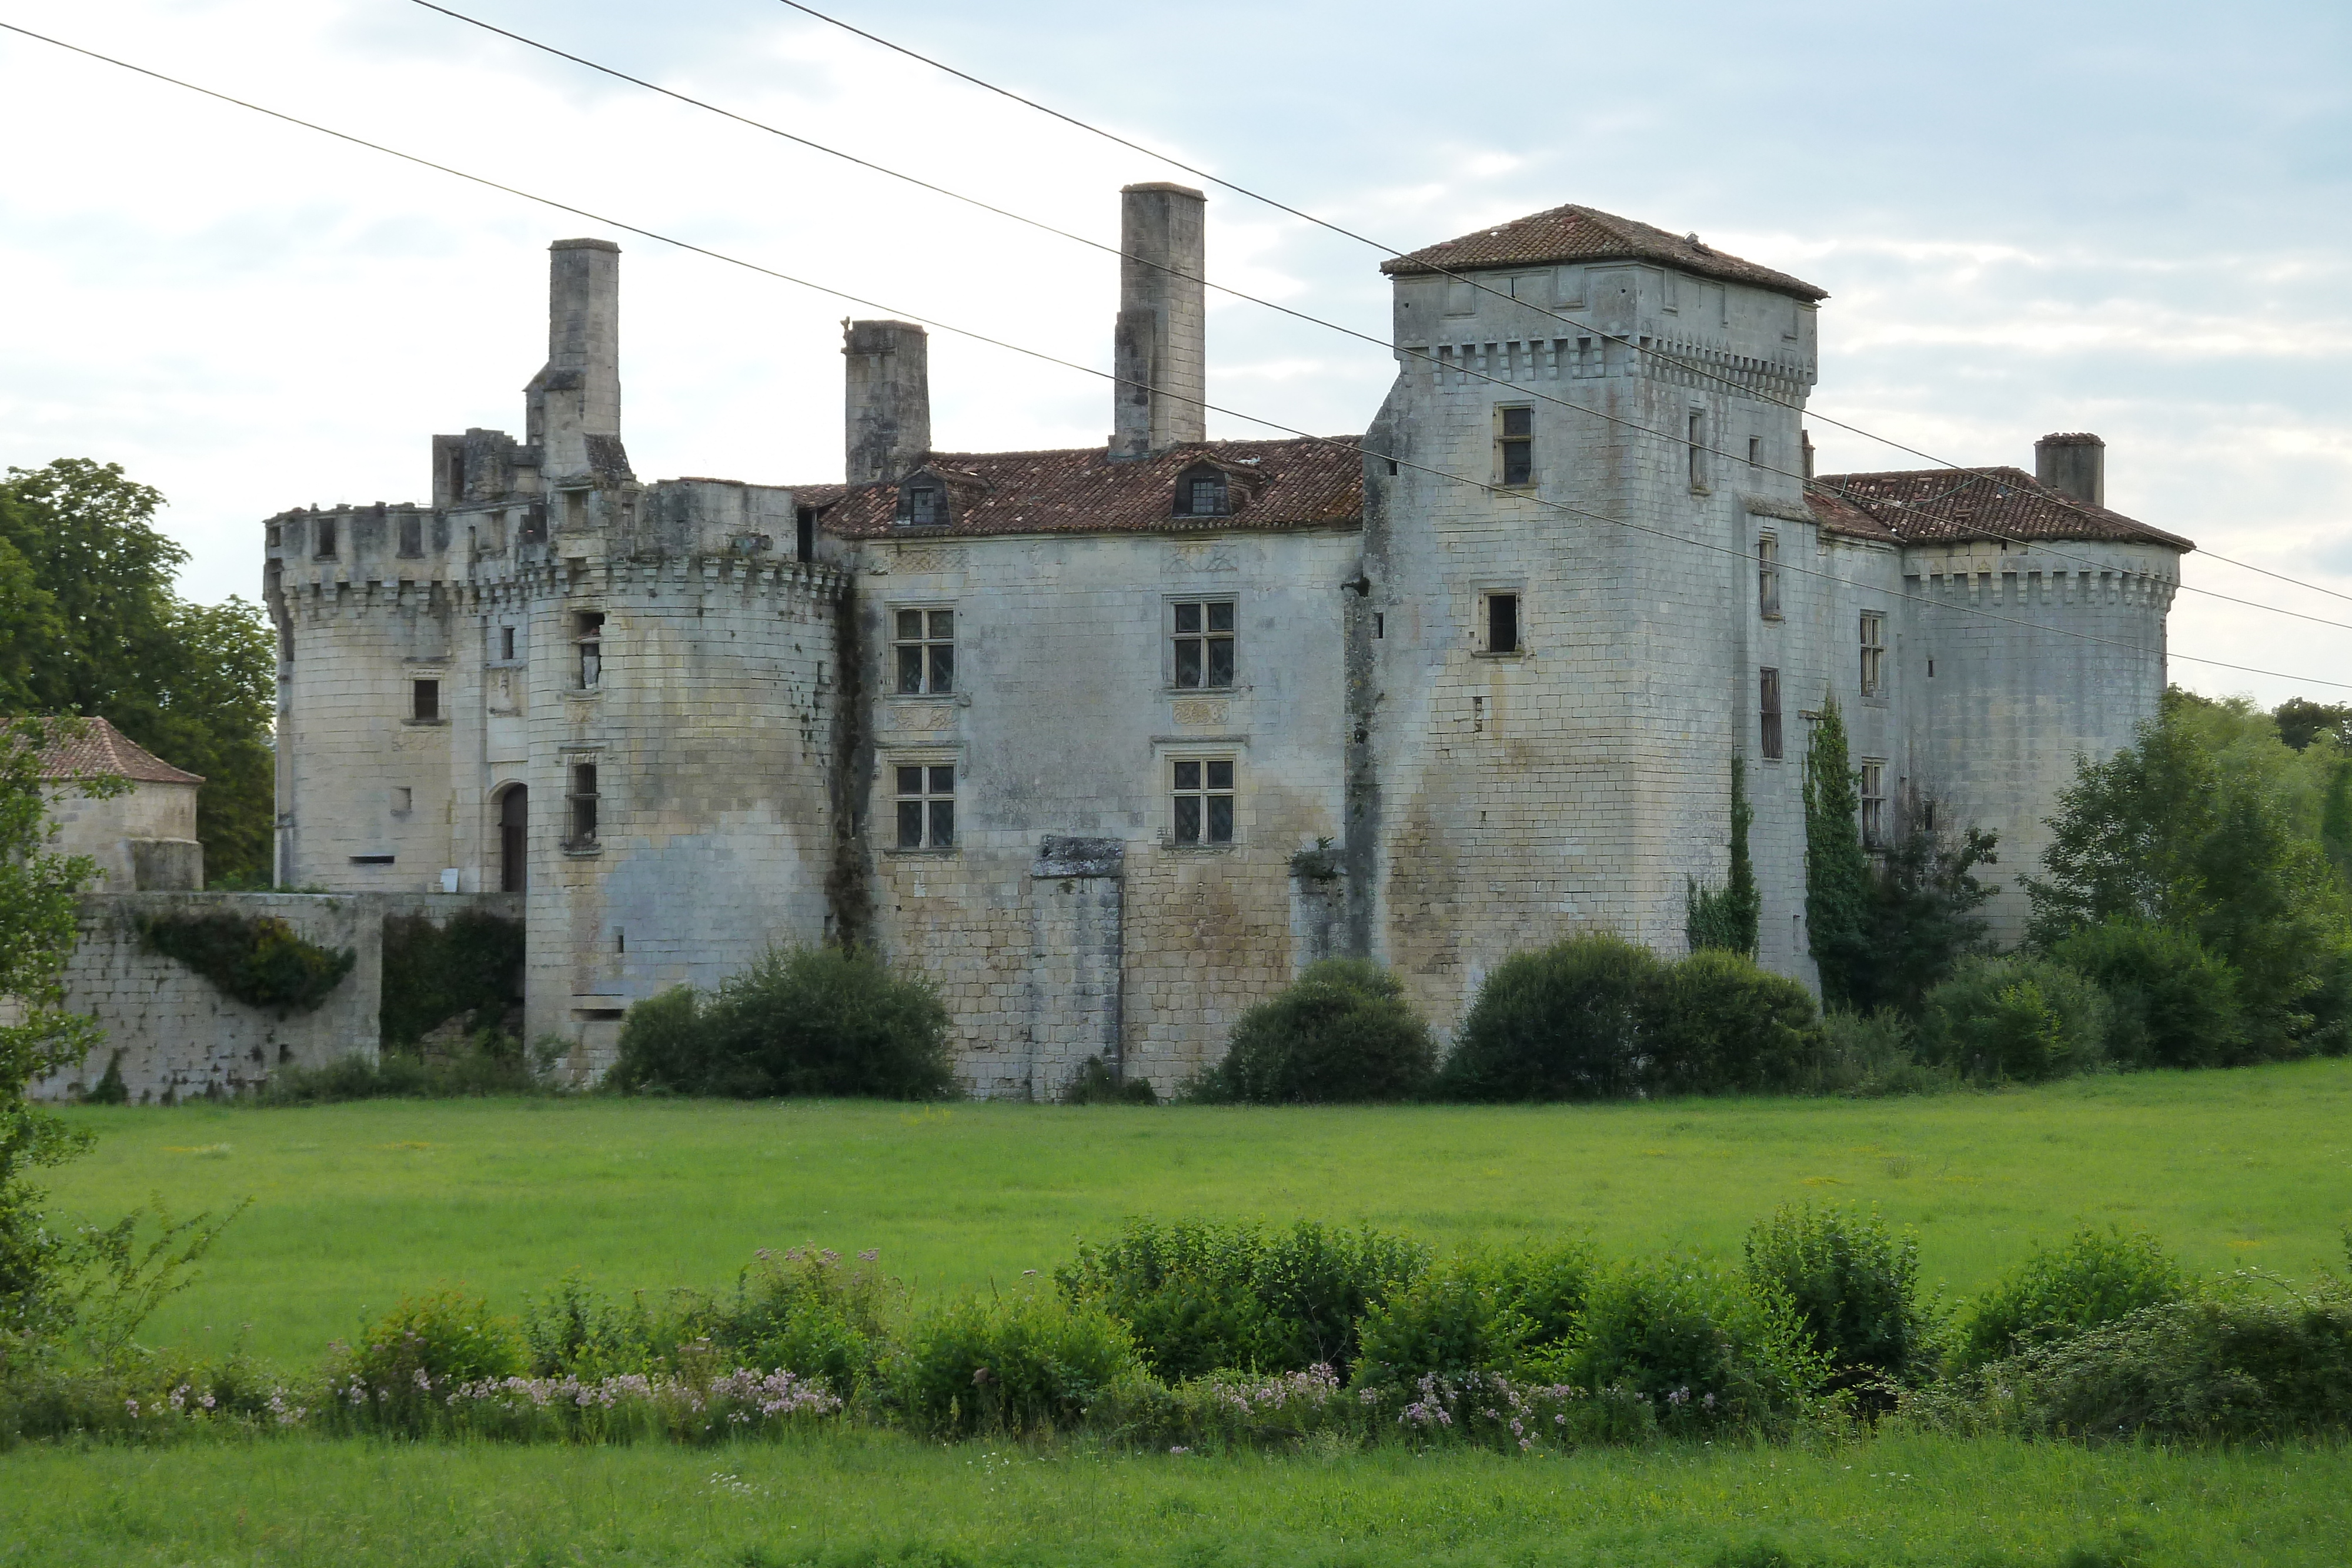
{"points": [[1485, 486], [1694, 368]]}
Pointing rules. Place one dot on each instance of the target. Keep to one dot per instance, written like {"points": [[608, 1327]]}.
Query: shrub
{"points": [[1872, 1054], [575, 1333], [400, 1374], [1026, 1365], [2171, 1003], [1562, 1023], [806, 1311], [1097, 1084], [1855, 1286], [434, 972], [800, 1020], [491, 1063], [2018, 1017], [1701, 1347], [2094, 1278], [257, 959], [2217, 1368], [1481, 1312], [1203, 1296], [1342, 1033], [1716, 1024]]}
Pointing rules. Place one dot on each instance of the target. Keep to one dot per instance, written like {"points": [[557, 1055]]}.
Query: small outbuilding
{"points": [[143, 840]]}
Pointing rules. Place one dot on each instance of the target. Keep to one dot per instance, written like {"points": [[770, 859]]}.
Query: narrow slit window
{"points": [[1767, 576], [1767, 705], [506, 644], [325, 548], [1204, 644], [926, 651], [424, 701], [1873, 652], [1697, 450], [1873, 804], [590, 635], [583, 799], [1755, 450], [1502, 623], [804, 548], [1203, 800], [1516, 446], [926, 805]]}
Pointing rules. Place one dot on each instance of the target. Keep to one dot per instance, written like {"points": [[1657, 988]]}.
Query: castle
{"points": [[1111, 743]]}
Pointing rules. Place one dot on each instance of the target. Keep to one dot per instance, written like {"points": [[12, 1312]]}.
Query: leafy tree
{"points": [[1727, 916], [1923, 916], [37, 935], [102, 632], [1837, 869], [2302, 721], [2167, 834], [2336, 818]]}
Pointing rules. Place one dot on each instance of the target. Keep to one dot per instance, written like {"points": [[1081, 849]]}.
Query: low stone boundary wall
{"points": [[180, 1036]]}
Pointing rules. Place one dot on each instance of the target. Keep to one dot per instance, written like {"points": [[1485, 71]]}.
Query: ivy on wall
{"points": [[257, 959], [432, 973], [1837, 868], [1727, 916]]}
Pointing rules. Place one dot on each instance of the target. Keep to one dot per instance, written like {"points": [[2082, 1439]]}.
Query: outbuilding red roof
{"points": [[1572, 234], [101, 750], [1299, 483], [1933, 506]]}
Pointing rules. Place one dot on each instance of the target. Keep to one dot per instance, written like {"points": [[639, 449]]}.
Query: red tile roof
{"points": [[1938, 504], [1300, 483], [103, 750], [1572, 234]]}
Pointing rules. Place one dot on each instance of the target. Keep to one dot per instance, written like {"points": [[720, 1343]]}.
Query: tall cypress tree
{"points": [[1837, 869], [1728, 917]]}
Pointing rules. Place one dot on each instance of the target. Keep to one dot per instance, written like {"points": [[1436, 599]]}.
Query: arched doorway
{"points": [[514, 839]]}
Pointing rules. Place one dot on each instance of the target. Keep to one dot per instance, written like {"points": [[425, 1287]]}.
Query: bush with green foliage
{"points": [[1204, 1296], [1715, 1023], [1838, 878], [1875, 1054], [1341, 1033], [1025, 1366], [1924, 899], [434, 971], [1563, 1022], [2095, 1276], [400, 1374], [1704, 1349], [1506, 1310], [1095, 1083], [257, 959], [2240, 1368], [2015, 1020], [800, 1021], [1854, 1285], [806, 1309], [1727, 916], [491, 1063], [2171, 1003]]}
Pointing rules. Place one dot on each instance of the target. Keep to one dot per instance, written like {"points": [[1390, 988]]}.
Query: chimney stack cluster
{"points": [[1156, 349], [2073, 463]]}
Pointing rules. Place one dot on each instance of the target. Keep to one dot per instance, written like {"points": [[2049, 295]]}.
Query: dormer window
{"points": [[926, 505], [1204, 492]]}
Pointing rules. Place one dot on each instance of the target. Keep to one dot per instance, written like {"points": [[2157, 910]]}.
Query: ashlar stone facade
{"points": [[1111, 743]]}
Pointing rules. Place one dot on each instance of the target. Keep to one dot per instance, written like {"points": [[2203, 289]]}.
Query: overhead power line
{"points": [[1458, 367], [1694, 367], [1483, 485]]}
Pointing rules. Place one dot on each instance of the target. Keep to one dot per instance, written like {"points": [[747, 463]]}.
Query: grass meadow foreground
{"points": [[358, 1205], [868, 1499]]}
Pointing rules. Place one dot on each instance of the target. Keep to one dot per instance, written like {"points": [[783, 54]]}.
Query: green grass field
{"points": [[356, 1205]]}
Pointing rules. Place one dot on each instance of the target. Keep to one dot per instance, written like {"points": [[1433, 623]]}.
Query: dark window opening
{"points": [[1768, 576], [424, 700], [1379, 624], [1204, 644], [1698, 451], [1518, 446], [455, 461], [589, 635], [1873, 804], [1873, 652], [326, 538], [1392, 467], [1755, 450], [1203, 799], [534, 523], [926, 505], [804, 548], [507, 644], [926, 805], [412, 535], [370, 860], [276, 535], [1769, 712], [1502, 623], [926, 647], [584, 805], [1200, 495], [514, 839]]}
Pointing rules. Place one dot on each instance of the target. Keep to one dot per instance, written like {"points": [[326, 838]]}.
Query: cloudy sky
{"points": [[2125, 218]]}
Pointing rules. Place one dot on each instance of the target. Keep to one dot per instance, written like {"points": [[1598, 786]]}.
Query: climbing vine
{"points": [[473, 965], [255, 958], [1837, 868], [1727, 916]]}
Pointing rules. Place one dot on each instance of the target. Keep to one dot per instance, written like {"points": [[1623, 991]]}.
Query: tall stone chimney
{"points": [[887, 427], [580, 391], [1157, 349], [2074, 464]]}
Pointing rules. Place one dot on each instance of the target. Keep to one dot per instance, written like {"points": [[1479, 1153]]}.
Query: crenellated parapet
{"points": [[1989, 579]]}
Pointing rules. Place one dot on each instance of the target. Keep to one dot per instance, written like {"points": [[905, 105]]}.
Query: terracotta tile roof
{"points": [[1937, 505], [100, 749], [1299, 483], [1586, 233]]}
